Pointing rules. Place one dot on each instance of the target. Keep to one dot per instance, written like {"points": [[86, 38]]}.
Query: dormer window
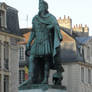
{"points": [[3, 16], [2, 19]]}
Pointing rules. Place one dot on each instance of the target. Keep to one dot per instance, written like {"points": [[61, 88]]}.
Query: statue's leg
{"points": [[31, 68], [46, 70], [37, 70], [41, 70]]}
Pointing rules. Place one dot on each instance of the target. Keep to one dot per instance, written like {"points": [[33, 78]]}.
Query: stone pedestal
{"points": [[40, 90], [43, 88]]}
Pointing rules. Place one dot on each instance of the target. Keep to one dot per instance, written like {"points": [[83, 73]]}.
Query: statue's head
{"points": [[43, 7], [45, 4]]}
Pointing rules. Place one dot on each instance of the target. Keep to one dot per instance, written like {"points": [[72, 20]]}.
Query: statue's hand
{"points": [[50, 26], [28, 46]]}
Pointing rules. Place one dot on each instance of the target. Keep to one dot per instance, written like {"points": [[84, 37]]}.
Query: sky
{"points": [[80, 11]]}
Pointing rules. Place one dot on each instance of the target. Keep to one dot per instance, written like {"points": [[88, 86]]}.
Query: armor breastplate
{"points": [[41, 33]]}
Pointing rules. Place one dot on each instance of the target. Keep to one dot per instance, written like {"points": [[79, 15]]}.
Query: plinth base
{"points": [[43, 88], [40, 90]]}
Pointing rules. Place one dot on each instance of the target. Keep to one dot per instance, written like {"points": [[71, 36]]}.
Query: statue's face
{"points": [[42, 8]]}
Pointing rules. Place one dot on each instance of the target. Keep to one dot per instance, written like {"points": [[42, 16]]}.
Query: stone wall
{"points": [[13, 72], [72, 77], [14, 69]]}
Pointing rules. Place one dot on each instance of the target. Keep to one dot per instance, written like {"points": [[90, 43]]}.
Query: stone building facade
{"points": [[9, 55], [78, 69], [78, 72], [76, 56]]}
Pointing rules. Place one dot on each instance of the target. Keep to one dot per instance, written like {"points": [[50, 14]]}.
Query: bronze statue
{"points": [[46, 39]]}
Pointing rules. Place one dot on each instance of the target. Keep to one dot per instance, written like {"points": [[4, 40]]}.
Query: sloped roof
{"points": [[83, 40], [66, 37], [12, 21], [25, 30]]}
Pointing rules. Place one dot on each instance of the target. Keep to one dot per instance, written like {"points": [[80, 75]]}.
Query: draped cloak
{"points": [[46, 39]]}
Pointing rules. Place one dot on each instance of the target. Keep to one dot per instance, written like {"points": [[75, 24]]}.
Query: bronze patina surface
{"points": [[47, 37]]}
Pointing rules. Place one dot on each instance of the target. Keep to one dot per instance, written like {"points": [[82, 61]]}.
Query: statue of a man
{"points": [[47, 37]]}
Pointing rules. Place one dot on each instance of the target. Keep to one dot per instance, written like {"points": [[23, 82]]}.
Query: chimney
{"points": [[64, 16], [81, 25], [86, 25], [76, 26], [68, 17]]}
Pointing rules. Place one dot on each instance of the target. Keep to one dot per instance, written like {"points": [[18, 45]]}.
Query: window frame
{"points": [[82, 74], [6, 55], [21, 76], [89, 76], [22, 53]]}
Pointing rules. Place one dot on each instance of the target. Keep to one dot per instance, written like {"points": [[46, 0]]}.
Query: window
{"points": [[89, 76], [21, 76], [22, 53], [82, 74], [80, 49], [88, 52], [2, 18], [6, 83], [6, 55], [13, 41]]}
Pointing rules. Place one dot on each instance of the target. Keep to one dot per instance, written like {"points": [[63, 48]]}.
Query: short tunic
{"points": [[46, 40], [42, 44]]}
